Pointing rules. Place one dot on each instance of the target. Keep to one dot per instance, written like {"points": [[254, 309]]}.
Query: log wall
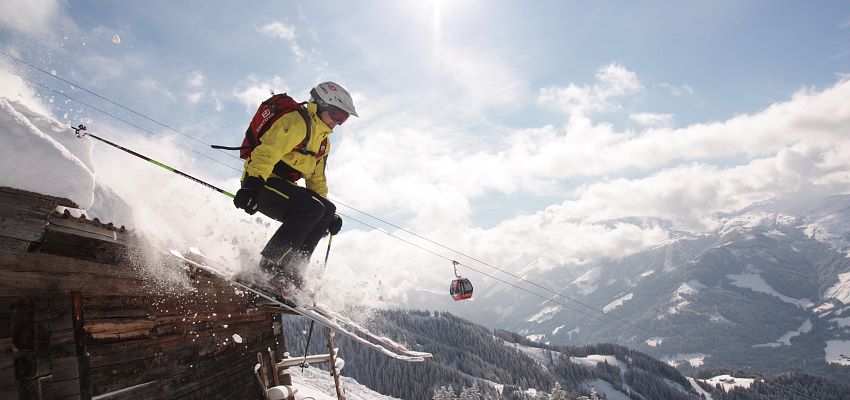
{"points": [[88, 312]]}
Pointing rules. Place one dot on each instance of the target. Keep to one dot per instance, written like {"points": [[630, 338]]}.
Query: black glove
{"points": [[246, 198], [335, 225]]}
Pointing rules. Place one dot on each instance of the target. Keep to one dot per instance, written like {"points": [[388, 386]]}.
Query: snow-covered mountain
{"points": [[768, 289]]}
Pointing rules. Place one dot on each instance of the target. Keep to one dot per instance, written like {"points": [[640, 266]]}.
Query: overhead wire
{"points": [[126, 122], [643, 334], [515, 276], [597, 311]]}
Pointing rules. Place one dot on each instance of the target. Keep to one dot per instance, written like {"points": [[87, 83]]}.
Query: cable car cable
{"points": [[645, 333], [559, 294], [126, 122]]}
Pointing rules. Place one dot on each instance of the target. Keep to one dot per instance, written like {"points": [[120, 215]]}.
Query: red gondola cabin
{"points": [[461, 289]]}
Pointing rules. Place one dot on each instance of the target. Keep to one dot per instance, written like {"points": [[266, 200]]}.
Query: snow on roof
{"points": [[39, 143]]}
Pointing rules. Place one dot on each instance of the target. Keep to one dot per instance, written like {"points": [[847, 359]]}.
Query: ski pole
{"points": [[81, 132], [307, 346], [328, 252]]}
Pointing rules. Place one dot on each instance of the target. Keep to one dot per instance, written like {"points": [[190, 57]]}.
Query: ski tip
{"points": [[176, 253]]}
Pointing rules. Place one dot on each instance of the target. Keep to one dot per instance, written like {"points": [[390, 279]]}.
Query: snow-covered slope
{"points": [[762, 287], [314, 383]]}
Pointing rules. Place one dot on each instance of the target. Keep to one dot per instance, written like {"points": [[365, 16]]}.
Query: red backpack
{"points": [[269, 111]]}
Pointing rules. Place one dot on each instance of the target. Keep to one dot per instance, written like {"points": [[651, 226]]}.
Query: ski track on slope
{"points": [[699, 389]]}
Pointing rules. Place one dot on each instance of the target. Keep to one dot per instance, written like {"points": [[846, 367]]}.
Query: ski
{"points": [[337, 317], [303, 311], [383, 340]]}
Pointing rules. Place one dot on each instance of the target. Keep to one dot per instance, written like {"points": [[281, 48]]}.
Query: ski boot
{"points": [[286, 280]]}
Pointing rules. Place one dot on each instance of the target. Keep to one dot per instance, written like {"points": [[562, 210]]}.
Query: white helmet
{"points": [[329, 93]]}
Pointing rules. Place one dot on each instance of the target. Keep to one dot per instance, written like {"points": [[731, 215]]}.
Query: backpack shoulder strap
{"points": [[303, 111]]}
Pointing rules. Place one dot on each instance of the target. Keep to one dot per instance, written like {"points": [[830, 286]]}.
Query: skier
{"points": [[269, 184]]}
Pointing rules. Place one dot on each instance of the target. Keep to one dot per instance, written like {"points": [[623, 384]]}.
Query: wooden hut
{"points": [[90, 312]]}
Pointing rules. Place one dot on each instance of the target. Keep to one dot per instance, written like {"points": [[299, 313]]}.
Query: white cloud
{"points": [[652, 119], [382, 168], [613, 81], [154, 88], [433, 179], [196, 79], [251, 91], [675, 90], [195, 97], [30, 16], [278, 30]]}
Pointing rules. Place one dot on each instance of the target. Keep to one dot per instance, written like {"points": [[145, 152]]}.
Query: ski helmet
{"points": [[331, 94]]}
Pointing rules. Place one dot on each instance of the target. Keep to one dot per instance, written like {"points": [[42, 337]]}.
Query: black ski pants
{"points": [[305, 216]]}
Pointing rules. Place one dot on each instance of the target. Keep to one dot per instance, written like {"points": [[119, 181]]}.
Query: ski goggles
{"points": [[337, 115]]}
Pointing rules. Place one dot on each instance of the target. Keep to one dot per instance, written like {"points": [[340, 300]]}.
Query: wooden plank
{"points": [[31, 364], [89, 230], [51, 264], [50, 273], [80, 245], [13, 245], [22, 325], [23, 227], [296, 361], [142, 391], [119, 330], [21, 203], [7, 378], [7, 364], [40, 388], [81, 348], [5, 315], [7, 192]]}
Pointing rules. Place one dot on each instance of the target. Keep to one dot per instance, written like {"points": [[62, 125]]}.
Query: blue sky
{"points": [[491, 125]]}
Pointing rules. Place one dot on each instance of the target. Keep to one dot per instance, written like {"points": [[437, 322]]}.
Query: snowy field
{"points": [[314, 383], [841, 290], [536, 354], [838, 352], [616, 303], [756, 283], [606, 389], [695, 359], [728, 382]]}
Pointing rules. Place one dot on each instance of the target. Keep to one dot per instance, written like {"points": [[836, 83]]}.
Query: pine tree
{"points": [[474, 392], [445, 393], [558, 393]]}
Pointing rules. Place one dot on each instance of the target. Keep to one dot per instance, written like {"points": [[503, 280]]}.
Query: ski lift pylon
{"points": [[461, 288]]}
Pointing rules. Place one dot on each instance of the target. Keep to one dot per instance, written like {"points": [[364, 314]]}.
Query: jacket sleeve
{"points": [[286, 133], [317, 181]]}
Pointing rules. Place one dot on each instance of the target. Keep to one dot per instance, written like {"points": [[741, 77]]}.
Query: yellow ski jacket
{"points": [[278, 145]]}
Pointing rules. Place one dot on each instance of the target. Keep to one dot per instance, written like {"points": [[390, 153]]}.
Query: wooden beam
{"points": [[329, 335], [296, 361]]}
